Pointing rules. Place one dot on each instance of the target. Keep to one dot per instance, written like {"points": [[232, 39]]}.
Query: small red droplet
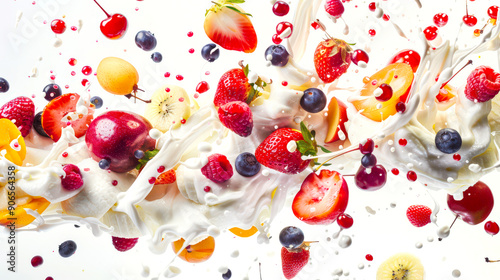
{"points": [[191, 50], [179, 77], [400, 107], [36, 261], [86, 169], [183, 121], [284, 83], [395, 171], [114, 183], [152, 180], [181, 99], [86, 70], [65, 154], [167, 89], [85, 82], [190, 34], [73, 73], [202, 87], [52, 77], [402, 142], [369, 257], [72, 61], [386, 17], [411, 175], [372, 6], [73, 28], [372, 32], [315, 25], [207, 188], [457, 157], [166, 75], [276, 39], [161, 169]]}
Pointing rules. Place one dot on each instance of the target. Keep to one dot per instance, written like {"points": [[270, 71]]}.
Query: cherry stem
{"points": [[466, 8], [135, 96], [336, 156], [260, 271], [445, 83], [346, 175], [102, 8], [488, 260], [456, 217]]}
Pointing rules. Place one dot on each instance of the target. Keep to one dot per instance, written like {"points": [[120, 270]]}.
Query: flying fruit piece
{"points": [[169, 106], [476, 204], [195, 253], [337, 116], [20, 215], [9, 133], [409, 57], [117, 76], [114, 26], [401, 266]]}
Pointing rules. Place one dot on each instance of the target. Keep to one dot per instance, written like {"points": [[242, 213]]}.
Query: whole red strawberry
{"points": [[292, 262], [335, 8], [232, 86], [482, 84], [124, 244], [218, 169], [273, 152], [419, 215], [237, 116], [21, 111], [331, 59]]}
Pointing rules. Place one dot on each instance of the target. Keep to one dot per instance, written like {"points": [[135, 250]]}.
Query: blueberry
{"points": [[67, 248], [210, 52], [52, 91], [104, 164], [157, 57], [227, 275], [448, 141], [145, 40], [277, 54], [368, 161], [313, 100], [291, 237], [138, 154], [37, 125], [4, 85], [247, 165], [97, 101]]}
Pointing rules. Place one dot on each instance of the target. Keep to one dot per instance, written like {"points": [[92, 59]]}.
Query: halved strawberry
{"points": [[322, 198], [228, 25], [61, 112]]}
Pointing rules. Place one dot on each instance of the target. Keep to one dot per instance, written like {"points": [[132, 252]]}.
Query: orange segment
{"points": [[8, 134], [21, 218], [244, 232], [399, 76], [196, 253]]}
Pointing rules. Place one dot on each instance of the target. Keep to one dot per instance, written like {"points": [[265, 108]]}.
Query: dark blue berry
{"points": [[368, 161], [52, 91], [313, 100], [279, 55], [145, 40], [448, 141], [104, 164], [227, 275], [37, 124], [291, 237], [4, 85], [156, 57], [97, 101], [138, 154], [210, 52], [67, 248], [247, 165]]}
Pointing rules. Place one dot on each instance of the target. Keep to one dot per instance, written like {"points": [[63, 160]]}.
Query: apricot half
{"points": [[19, 216], [399, 76], [117, 76], [12, 142], [195, 253]]}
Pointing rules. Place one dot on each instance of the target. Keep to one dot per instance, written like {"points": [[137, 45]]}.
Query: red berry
{"points": [[369, 257], [281, 8], [491, 227], [293, 262], [124, 244], [402, 142], [334, 8], [395, 171], [386, 93], [400, 107], [371, 179], [411, 175], [493, 12], [36, 261], [419, 215], [276, 39], [483, 84], [237, 116], [372, 32], [232, 86], [367, 147], [469, 20], [202, 87], [72, 61], [21, 111], [386, 17], [86, 70], [431, 33], [282, 26], [345, 221], [73, 179], [58, 26], [372, 7], [440, 19], [409, 57], [218, 169], [359, 55], [457, 157]]}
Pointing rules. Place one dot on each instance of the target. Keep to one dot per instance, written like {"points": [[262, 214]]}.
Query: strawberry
{"points": [[218, 169], [331, 59], [124, 244], [21, 111], [292, 262], [482, 84], [237, 116], [167, 177], [61, 112], [273, 152], [335, 8], [235, 86], [228, 25], [419, 215]]}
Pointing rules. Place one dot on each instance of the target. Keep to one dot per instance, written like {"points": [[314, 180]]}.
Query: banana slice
{"points": [[169, 106], [402, 266]]}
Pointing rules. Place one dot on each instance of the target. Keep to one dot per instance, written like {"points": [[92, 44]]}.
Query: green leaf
{"points": [[235, 1], [305, 133], [148, 155], [319, 163], [246, 70], [306, 149], [324, 149], [238, 11]]}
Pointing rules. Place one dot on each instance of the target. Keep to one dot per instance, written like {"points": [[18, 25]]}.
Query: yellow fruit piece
{"points": [[195, 253], [401, 266], [244, 232], [169, 106], [15, 151], [117, 76], [19, 215]]}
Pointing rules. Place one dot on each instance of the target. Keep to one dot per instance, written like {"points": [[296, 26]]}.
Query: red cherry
{"points": [[114, 27], [431, 33], [359, 55], [491, 227], [276, 39], [58, 26], [440, 19], [345, 221], [386, 93], [36, 261], [372, 7], [386, 17], [493, 12], [369, 257], [202, 87], [281, 8], [395, 171], [372, 32], [476, 204], [282, 26], [367, 147], [457, 157], [470, 20], [86, 70], [412, 176], [372, 179], [409, 57], [400, 107]]}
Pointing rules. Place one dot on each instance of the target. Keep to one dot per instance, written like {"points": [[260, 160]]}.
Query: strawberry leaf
{"points": [[246, 70], [306, 133], [238, 11], [306, 149], [235, 1], [324, 149], [148, 155]]}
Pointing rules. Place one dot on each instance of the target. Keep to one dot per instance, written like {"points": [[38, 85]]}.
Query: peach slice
{"points": [[399, 76], [244, 232], [445, 94], [19, 215], [195, 253], [12, 142], [337, 116]]}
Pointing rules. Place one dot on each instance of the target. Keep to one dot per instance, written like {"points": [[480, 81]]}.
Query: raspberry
{"points": [[124, 244], [482, 84], [218, 169], [73, 179], [334, 8], [237, 116], [419, 215]]}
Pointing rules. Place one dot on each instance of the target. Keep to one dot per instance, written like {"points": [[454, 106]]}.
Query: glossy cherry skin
{"points": [[476, 205], [115, 136], [372, 181], [409, 57], [114, 27]]}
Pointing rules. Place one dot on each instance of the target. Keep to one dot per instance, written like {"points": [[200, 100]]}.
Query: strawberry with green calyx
{"points": [[309, 146], [230, 27], [332, 59]]}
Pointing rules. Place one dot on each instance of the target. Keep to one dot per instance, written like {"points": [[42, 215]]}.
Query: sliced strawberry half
{"points": [[230, 27], [61, 112], [322, 198]]}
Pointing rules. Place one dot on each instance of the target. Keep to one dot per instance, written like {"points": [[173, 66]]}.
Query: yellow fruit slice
{"points": [[401, 266], [12, 145], [19, 215], [244, 232], [169, 107], [117, 76], [195, 253]]}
